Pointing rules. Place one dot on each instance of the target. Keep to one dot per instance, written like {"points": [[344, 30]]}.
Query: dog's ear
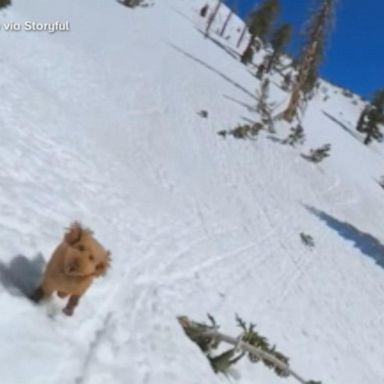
{"points": [[73, 233], [102, 267]]}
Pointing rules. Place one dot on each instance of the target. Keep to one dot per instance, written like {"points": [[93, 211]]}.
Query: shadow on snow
{"points": [[22, 275], [221, 74], [364, 242]]}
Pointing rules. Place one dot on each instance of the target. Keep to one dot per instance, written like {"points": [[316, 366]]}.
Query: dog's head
{"points": [[84, 256]]}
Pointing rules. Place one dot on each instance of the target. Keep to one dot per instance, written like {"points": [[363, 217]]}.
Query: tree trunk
{"points": [[244, 56], [271, 61], [308, 60], [303, 71], [294, 101], [360, 123]]}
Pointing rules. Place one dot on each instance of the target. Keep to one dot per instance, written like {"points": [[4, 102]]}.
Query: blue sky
{"points": [[355, 52]]}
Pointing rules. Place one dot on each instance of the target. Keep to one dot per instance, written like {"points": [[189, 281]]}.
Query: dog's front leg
{"points": [[71, 305], [37, 295], [42, 291]]}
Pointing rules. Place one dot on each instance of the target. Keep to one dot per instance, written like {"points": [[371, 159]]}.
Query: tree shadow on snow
{"points": [[248, 107], [229, 50], [364, 242], [22, 275], [221, 74], [343, 126]]}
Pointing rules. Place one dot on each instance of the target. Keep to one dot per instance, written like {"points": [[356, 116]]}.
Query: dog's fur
{"points": [[77, 260]]}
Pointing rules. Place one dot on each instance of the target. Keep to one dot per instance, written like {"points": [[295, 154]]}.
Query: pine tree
{"points": [[378, 100], [287, 80], [310, 84], [245, 131], [247, 55], [371, 118], [263, 107], [295, 137], [212, 17], [131, 3], [262, 18], [261, 70], [318, 154], [361, 121], [5, 3], [311, 55], [307, 240], [259, 25], [279, 40], [250, 344]]}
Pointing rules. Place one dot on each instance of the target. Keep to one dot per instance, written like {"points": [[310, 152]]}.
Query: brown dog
{"points": [[74, 264]]}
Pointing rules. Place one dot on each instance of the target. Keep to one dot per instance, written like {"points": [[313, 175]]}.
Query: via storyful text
{"points": [[33, 26]]}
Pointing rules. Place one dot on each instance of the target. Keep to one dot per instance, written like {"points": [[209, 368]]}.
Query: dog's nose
{"points": [[72, 266]]}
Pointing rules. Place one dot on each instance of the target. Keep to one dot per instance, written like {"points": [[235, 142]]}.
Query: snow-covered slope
{"points": [[101, 124]]}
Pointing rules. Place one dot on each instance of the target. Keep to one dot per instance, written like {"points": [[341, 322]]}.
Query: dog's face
{"points": [[84, 256]]}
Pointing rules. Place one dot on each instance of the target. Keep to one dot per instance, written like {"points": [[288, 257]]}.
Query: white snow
{"points": [[100, 124]]}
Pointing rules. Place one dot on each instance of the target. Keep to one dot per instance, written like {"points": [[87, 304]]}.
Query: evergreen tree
{"points": [[287, 80], [247, 55], [132, 3], [361, 121], [212, 17], [311, 55], [262, 18], [307, 240], [5, 3], [261, 70], [250, 344], [259, 25], [317, 155], [246, 131], [279, 40], [371, 118], [296, 136], [378, 100], [263, 107], [310, 84], [371, 125]]}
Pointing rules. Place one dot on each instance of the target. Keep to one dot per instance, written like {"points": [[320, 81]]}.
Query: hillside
{"points": [[101, 124]]}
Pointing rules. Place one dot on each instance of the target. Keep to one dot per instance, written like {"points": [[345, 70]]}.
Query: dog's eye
{"points": [[81, 248], [91, 257]]}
